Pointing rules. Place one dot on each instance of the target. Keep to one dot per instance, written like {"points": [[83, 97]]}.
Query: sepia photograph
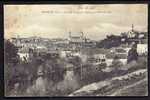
{"points": [[75, 50]]}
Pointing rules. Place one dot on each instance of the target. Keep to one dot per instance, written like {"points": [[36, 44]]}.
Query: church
{"points": [[78, 39]]}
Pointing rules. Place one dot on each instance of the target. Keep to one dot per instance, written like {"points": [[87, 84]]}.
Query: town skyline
{"points": [[37, 20]]}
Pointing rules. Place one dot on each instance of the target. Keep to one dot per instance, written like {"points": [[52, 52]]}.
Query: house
{"points": [[23, 56], [142, 49], [99, 59], [120, 52], [65, 53]]}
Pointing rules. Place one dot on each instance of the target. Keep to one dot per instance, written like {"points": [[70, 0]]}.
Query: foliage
{"points": [[11, 59], [10, 53], [110, 41]]}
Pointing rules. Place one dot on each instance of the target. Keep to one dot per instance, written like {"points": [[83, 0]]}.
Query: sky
{"points": [[55, 21]]}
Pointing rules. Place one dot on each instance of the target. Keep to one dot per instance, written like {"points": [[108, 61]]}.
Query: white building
{"points": [[131, 33], [65, 53], [100, 56], [97, 59], [142, 49], [76, 39], [23, 55]]}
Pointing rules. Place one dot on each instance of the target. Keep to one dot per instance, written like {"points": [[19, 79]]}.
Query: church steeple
{"points": [[82, 34], [69, 34], [132, 27]]}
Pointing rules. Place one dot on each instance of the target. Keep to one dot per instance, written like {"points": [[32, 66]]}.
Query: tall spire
{"points": [[69, 34], [82, 34], [132, 27]]}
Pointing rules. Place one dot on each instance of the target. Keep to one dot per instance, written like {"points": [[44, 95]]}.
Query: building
{"points": [[142, 49], [80, 40], [131, 33], [76, 39], [120, 52], [134, 36], [23, 56]]}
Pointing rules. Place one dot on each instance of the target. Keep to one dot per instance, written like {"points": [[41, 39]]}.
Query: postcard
{"points": [[75, 50]]}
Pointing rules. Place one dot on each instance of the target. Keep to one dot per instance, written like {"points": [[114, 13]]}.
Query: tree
{"points": [[110, 41], [11, 59], [132, 54], [10, 53]]}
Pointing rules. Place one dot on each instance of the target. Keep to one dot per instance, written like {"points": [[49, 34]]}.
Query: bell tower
{"points": [[69, 34], [132, 28], [82, 34]]}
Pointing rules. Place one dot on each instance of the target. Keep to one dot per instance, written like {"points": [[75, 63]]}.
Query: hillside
{"points": [[133, 82]]}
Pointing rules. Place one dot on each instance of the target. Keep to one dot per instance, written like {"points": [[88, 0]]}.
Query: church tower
{"points": [[132, 27], [82, 34], [69, 34]]}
